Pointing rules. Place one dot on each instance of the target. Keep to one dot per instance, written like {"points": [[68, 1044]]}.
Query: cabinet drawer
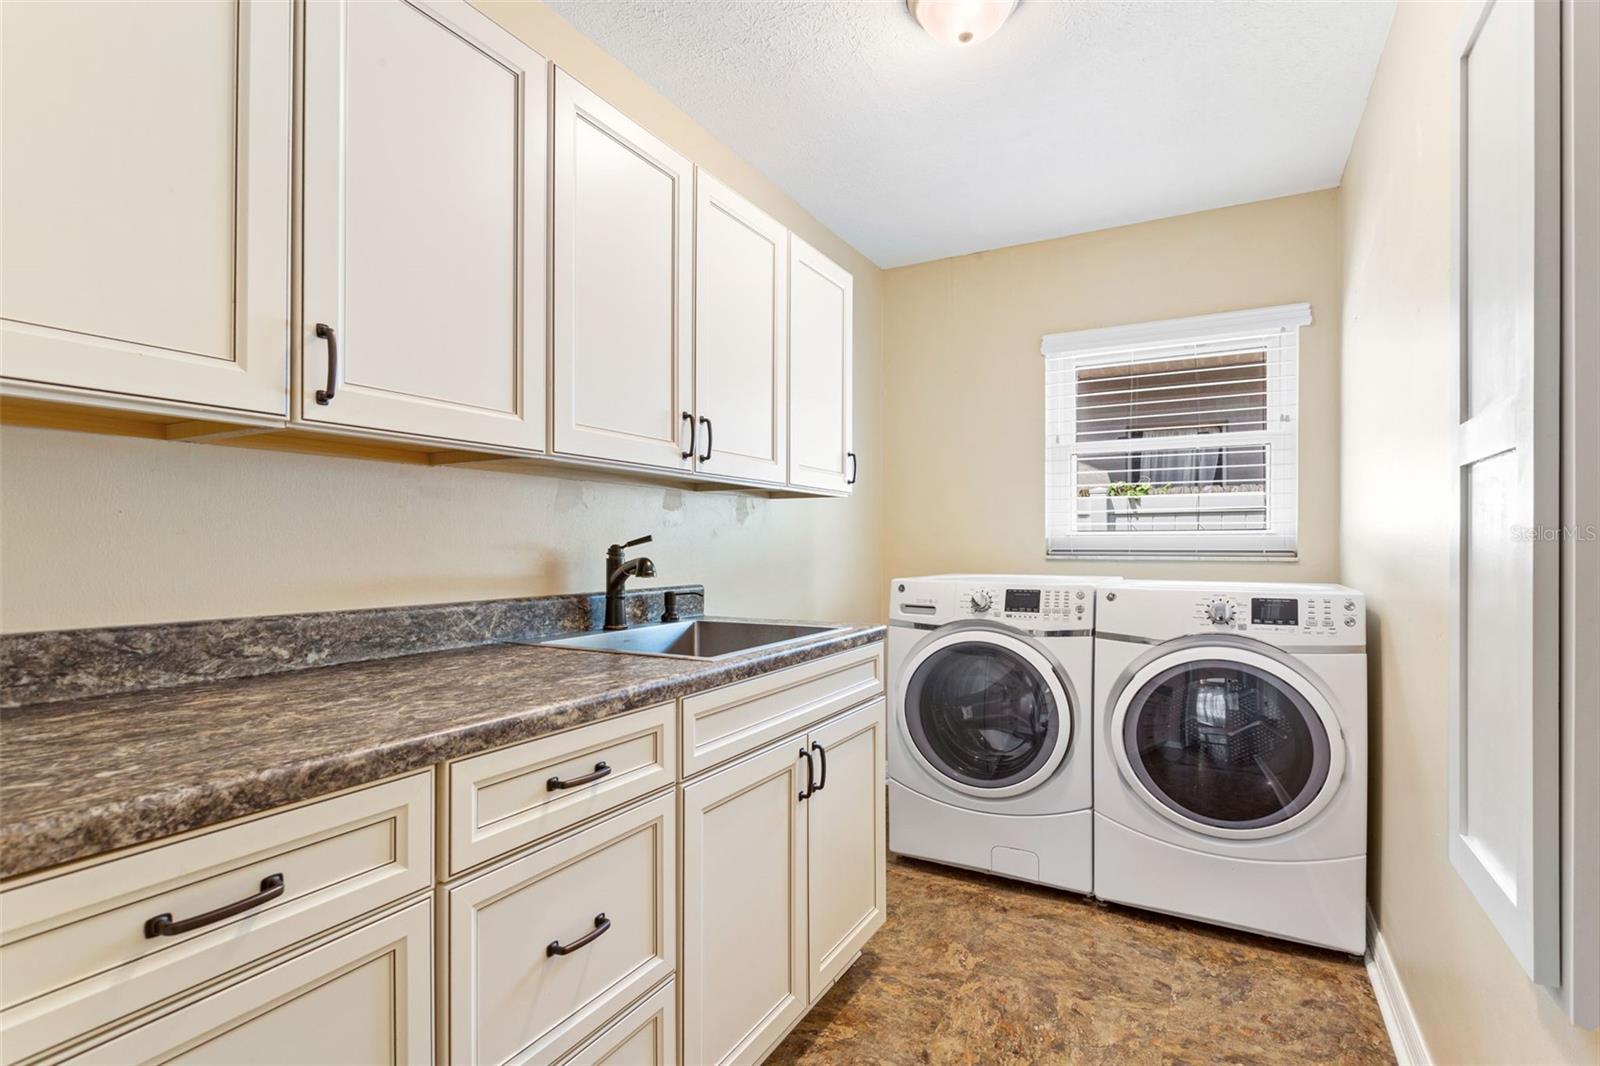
{"points": [[730, 721], [647, 1035], [511, 996], [504, 799], [74, 949], [361, 999]]}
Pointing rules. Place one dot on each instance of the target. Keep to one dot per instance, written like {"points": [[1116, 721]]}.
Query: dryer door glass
{"points": [[1226, 745], [982, 715]]}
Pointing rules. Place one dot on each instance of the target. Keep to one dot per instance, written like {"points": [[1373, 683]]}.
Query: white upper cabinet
{"points": [[621, 368], [741, 347], [821, 323], [424, 235], [146, 185]]}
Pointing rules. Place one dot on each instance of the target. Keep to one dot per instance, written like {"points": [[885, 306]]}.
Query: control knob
{"points": [[981, 601], [1221, 612]]}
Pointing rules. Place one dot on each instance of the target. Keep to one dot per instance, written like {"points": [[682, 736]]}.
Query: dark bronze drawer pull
{"points": [[822, 778], [811, 775], [601, 769], [163, 925], [601, 924]]}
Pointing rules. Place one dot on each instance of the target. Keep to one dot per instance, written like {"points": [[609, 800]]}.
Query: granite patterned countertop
{"points": [[83, 777]]}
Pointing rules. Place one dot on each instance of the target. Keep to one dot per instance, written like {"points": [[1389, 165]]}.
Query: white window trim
{"points": [[1195, 335]]}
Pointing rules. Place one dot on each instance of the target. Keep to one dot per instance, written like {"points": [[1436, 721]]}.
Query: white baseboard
{"points": [[1404, 1033]]}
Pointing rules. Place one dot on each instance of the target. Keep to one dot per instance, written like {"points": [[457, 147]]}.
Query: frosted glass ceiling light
{"points": [[961, 23]]}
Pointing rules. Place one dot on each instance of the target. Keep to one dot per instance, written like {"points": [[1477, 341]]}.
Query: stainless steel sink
{"points": [[702, 638]]}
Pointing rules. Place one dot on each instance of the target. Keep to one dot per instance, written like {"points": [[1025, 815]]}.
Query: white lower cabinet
{"points": [[744, 922], [83, 949], [306, 935], [647, 1035], [845, 821], [361, 999], [783, 881], [544, 950]]}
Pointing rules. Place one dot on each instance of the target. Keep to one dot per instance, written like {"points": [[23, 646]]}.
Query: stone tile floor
{"points": [[975, 969]]}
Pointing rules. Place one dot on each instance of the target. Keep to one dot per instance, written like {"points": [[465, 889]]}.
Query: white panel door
{"points": [[424, 252], [362, 999], [846, 863], [621, 370], [1504, 724], [821, 313], [146, 185], [741, 343], [743, 969]]}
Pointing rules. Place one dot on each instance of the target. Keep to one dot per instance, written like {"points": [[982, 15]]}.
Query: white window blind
{"points": [[1175, 438]]}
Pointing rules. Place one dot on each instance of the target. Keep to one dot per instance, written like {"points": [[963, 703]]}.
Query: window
{"points": [[1175, 438]]}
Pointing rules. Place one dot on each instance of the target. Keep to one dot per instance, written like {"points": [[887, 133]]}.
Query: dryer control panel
{"points": [[1307, 615]]}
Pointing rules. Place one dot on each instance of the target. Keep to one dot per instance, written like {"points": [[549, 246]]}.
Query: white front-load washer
{"points": [[989, 751], [1231, 756]]}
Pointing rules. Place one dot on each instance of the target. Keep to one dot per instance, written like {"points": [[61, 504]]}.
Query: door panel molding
{"points": [[1504, 724]]}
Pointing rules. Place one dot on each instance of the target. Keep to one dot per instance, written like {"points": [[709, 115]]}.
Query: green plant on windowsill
{"points": [[1136, 490]]}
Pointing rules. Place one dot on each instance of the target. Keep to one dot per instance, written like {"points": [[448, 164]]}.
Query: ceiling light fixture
{"points": [[961, 23]]}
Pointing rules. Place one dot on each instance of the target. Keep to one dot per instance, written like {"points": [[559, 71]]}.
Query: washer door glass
{"points": [[1225, 744], [982, 715]]}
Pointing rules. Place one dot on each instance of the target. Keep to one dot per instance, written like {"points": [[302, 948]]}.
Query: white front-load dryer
{"points": [[990, 681], [1231, 756]]}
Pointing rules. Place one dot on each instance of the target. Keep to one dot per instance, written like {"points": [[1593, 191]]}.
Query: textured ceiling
{"points": [[1076, 116]]}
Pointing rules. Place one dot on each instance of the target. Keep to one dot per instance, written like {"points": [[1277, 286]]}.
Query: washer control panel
{"points": [[1287, 615], [1048, 607]]}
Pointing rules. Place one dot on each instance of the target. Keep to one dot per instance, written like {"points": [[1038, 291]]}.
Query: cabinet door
{"points": [[845, 827], [821, 312], [361, 999], [425, 130], [620, 373], [741, 343], [146, 182], [744, 911]]}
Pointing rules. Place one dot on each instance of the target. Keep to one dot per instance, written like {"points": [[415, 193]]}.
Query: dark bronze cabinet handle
{"points": [[855, 466], [326, 332], [689, 418], [822, 778], [811, 775], [707, 423], [601, 924], [163, 925], [601, 769]]}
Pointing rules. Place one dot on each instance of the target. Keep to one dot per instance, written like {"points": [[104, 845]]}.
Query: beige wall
{"points": [[964, 407], [104, 530], [1471, 998]]}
